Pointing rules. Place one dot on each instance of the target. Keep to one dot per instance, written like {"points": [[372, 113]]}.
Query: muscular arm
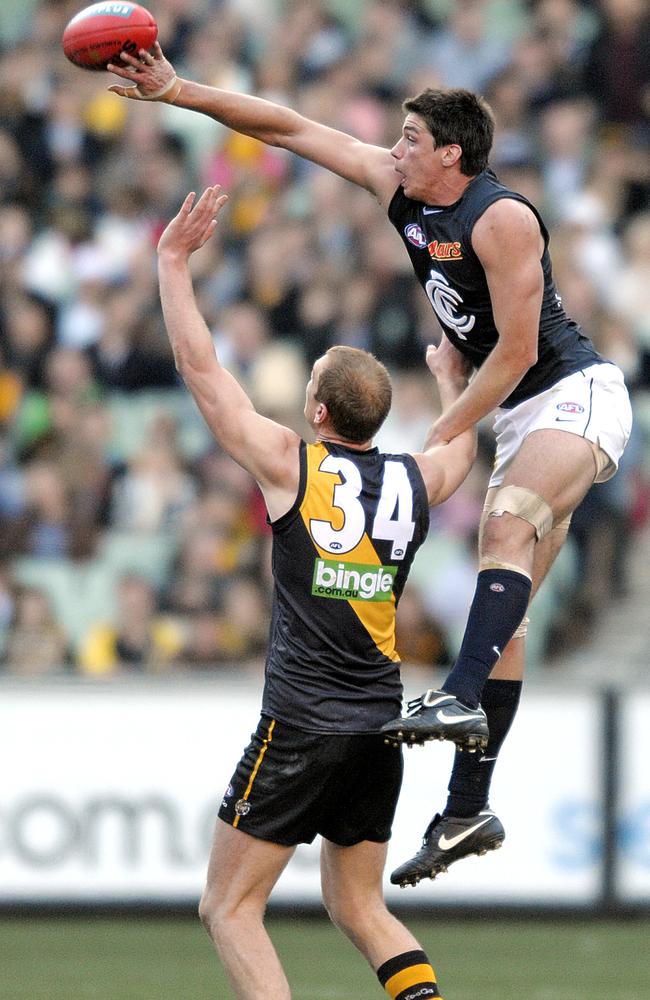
{"points": [[508, 242], [264, 448], [445, 466], [369, 166]]}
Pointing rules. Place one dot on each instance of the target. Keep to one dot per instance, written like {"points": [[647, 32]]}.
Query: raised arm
{"points": [[269, 451], [445, 466], [152, 78], [509, 244]]}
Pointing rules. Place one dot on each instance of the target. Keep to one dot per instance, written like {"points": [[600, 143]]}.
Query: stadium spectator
{"points": [[155, 490], [81, 209], [7, 603], [468, 51], [617, 68], [35, 644], [138, 640]]}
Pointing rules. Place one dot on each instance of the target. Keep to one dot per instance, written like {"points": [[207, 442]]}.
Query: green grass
{"points": [[171, 959]]}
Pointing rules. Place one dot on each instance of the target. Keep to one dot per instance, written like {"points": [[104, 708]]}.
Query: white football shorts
{"points": [[593, 403]]}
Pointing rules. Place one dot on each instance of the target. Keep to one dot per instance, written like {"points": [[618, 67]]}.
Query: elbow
{"points": [[471, 448], [286, 130], [280, 140], [530, 358], [180, 363], [524, 361], [186, 368]]}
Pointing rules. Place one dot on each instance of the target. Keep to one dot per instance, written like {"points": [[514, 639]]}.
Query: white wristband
{"points": [[172, 89]]}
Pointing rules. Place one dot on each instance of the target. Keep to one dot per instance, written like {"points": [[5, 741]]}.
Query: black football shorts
{"points": [[291, 785]]}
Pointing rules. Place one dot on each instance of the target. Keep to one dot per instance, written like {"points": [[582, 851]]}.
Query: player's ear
{"points": [[321, 413], [452, 154]]}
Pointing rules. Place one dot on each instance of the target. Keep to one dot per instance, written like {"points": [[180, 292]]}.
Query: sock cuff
{"points": [[400, 962], [506, 574], [500, 693]]}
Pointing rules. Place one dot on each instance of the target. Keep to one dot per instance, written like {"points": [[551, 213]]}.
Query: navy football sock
{"points": [[499, 604], [469, 786]]}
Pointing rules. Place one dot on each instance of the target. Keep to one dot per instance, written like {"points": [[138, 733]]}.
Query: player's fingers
{"points": [[132, 61], [212, 193], [217, 200], [130, 92], [203, 204], [186, 207], [157, 51], [208, 231], [145, 57], [119, 70]]}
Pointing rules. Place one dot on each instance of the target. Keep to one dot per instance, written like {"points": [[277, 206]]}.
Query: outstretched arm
{"points": [[445, 466], [266, 449], [151, 77]]}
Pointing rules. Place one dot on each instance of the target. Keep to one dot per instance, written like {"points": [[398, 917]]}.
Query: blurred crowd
{"points": [[128, 542]]}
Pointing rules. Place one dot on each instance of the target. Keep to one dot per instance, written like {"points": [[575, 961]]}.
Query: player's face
{"points": [[417, 161]]}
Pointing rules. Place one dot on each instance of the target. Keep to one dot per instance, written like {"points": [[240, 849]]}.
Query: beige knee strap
{"points": [[487, 507], [603, 462], [523, 503], [488, 561], [563, 525], [522, 628]]}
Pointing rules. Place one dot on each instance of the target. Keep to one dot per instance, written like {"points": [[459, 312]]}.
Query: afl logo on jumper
{"points": [[415, 235], [445, 301], [570, 408]]}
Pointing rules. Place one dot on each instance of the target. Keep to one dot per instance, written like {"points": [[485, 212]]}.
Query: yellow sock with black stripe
{"points": [[408, 977]]}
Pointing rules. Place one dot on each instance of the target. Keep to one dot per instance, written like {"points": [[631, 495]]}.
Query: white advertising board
{"points": [[109, 794], [634, 803]]}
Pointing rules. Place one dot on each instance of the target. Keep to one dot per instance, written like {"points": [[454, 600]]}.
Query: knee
{"points": [[214, 915], [338, 910], [506, 535], [351, 916], [206, 912], [224, 917], [514, 517]]}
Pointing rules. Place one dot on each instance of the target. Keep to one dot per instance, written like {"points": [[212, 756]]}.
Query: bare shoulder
{"points": [[507, 227], [432, 471], [280, 485]]}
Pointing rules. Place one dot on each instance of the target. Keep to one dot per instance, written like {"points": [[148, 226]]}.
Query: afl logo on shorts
{"points": [[242, 807], [570, 408], [415, 235]]}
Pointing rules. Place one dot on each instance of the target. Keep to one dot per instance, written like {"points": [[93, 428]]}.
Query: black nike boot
{"points": [[448, 839], [439, 716]]}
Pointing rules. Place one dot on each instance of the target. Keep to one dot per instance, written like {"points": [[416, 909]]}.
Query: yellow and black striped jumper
{"points": [[341, 556]]}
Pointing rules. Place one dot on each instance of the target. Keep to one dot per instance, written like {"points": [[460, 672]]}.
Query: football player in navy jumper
{"points": [[563, 418]]}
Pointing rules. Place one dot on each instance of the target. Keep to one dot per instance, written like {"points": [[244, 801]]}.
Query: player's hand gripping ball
{"points": [[97, 34]]}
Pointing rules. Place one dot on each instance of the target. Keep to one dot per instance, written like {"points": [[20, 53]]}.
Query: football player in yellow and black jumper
{"points": [[347, 521], [480, 252]]}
